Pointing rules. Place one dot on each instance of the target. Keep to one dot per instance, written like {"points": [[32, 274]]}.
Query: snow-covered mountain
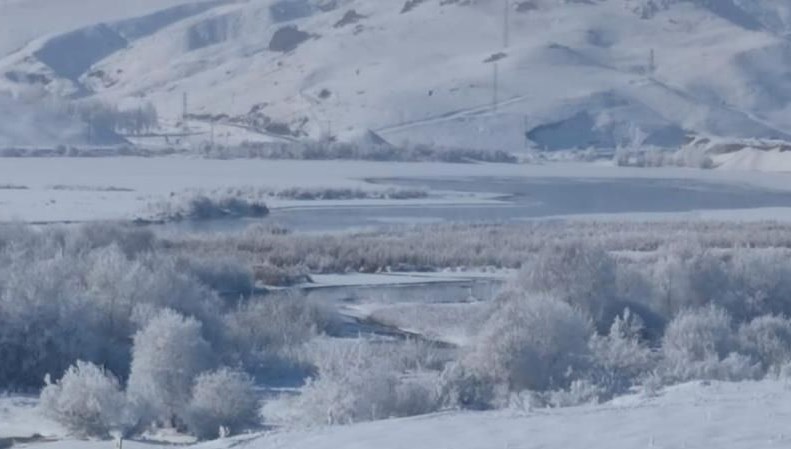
{"points": [[568, 73]]}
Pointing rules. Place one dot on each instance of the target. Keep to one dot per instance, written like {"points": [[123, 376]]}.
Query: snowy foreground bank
{"points": [[748, 415]]}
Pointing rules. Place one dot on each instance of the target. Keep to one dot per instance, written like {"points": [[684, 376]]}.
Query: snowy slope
{"points": [[573, 73], [691, 416], [725, 416], [24, 20]]}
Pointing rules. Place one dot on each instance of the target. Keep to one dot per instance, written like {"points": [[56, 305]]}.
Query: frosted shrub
{"points": [[223, 398], [314, 150], [224, 275], [351, 385], [760, 283], [632, 284], [355, 383], [161, 281], [532, 342], [687, 276], [132, 241], [461, 387], [581, 275], [267, 325], [696, 335], [580, 392], [88, 401], [46, 324], [66, 297], [417, 394], [768, 340], [167, 356], [700, 344], [202, 207], [281, 276], [621, 355], [121, 289]]}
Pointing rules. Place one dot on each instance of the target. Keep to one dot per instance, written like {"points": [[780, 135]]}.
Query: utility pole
{"points": [[507, 24], [184, 111], [212, 133], [495, 86], [652, 62]]}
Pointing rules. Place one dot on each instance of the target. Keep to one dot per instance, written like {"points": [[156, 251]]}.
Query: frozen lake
{"points": [[535, 198]]}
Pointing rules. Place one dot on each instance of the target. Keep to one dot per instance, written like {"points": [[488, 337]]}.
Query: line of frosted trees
{"points": [[134, 121]]}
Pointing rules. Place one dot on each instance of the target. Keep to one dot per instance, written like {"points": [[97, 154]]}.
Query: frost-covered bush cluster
{"points": [[563, 329], [92, 151], [157, 322], [336, 193], [222, 399], [441, 246], [168, 332], [358, 380], [580, 323], [88, 401], [205, 204], [267, 336], [203, 207], [690, 156], [359, 151], [532, 343]]}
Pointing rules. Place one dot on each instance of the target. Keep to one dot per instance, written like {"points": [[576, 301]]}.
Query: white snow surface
{"points": [[755, 159], [749, 415], [575, 73], [19, 417]]}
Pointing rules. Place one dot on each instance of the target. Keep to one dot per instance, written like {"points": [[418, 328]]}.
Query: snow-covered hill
{"points": [[569, 73]]}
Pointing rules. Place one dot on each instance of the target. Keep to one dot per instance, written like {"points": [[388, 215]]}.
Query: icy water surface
{"points": [[523, 199]]}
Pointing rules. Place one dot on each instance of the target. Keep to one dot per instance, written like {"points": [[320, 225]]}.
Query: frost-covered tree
{"points": [[621, 354], [357, 381], [696, 335], [768, 340], [88, 401], [467, 388], [168, 354], [701, 344], [222, 399], [46, 320], [759, 283], [533, 342], [688, 276], [577, 273]]}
